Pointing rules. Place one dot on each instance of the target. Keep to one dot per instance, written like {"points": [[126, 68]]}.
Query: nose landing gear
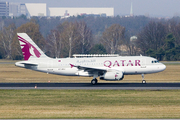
{"points": [[143, 81]]}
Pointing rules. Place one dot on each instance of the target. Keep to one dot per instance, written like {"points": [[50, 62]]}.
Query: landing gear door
{"points": [[143, 63]]}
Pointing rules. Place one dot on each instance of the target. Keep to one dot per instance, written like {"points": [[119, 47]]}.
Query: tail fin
{"points": [[29, 49]]}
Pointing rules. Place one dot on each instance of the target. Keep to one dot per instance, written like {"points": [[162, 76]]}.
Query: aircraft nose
{"points": [[163, 67]]}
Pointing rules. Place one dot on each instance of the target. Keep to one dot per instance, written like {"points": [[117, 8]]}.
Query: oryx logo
{"points": [[28, 49]]}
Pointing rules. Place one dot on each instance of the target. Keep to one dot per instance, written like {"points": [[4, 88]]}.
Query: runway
{"points": [[88, 86]]}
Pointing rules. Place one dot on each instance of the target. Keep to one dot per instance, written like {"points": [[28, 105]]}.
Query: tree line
{"points": [[77, 35], [160, 40], [66, 39]]}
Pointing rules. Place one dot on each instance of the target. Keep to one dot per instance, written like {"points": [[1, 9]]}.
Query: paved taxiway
{"points": [[123, 86], [92, 119]]}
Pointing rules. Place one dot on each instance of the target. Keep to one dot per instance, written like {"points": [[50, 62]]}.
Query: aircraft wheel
{"points": [[144, 82], [94, 81]]}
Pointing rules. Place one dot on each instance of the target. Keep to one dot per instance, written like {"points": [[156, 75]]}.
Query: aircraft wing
{"points": [[89, 69]]}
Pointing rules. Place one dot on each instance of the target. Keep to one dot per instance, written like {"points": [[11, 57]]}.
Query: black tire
{"points": [[94, 81]]}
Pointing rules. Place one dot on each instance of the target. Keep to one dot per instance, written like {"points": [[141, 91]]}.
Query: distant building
{"points": [[66, 12], [4, 9], [36, 9], [13, 9], [40, 9], [23, 10]]}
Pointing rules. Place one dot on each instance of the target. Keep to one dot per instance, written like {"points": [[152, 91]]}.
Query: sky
{"points": [[153, 8]]}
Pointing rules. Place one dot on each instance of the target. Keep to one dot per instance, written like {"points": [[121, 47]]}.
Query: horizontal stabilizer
{"points": [[30, 64], [25, 64]]}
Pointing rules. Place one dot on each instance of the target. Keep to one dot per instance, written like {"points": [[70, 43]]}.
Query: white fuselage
{"points": [[106, 68], [127, 64]]}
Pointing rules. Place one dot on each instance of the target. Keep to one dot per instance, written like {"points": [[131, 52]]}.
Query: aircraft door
{"points": [[50, 66], [143, 63]]}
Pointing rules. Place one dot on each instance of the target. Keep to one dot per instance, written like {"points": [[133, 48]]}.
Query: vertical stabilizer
{"points": [[29, 49]]}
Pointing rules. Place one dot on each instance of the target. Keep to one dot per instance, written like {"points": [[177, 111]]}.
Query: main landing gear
{"points": [[143, 81], [94, 81]]}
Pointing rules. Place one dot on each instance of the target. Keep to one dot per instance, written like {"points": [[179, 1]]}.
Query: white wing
{"points": [[90, 69]]}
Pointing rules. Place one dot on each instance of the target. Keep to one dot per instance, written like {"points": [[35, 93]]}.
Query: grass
{"points": [[32, 104], [11, 73]]}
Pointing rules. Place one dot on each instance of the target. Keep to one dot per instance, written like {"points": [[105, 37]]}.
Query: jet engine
{"points": [[112, 76]]}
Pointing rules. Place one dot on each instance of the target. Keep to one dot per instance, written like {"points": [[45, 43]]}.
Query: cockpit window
{"points": [[155, 61]]}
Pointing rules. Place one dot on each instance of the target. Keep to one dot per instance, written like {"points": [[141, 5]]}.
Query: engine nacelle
{"points": [[112, 76]]}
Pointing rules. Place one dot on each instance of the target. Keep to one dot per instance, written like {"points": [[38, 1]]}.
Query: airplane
{"points": [[106, 67]]}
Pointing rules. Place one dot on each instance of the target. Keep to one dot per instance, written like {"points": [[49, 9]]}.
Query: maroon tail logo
{"points": [[28, 49]]}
